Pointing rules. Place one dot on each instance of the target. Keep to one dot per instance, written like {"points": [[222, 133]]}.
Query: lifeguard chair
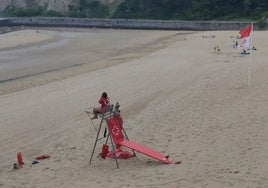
{"points": [[118, 137]]}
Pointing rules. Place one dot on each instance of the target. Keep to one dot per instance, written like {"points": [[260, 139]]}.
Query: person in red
{"points": [[104, 101]]}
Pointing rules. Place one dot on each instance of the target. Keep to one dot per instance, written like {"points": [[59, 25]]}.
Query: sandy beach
{"points": [[177, 96]]}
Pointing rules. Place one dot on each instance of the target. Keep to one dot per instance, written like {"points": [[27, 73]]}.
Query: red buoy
{"points": [[105, 150], [19, 156]]}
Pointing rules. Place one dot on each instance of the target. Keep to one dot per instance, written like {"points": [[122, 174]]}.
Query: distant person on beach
{"points": [[235, 45], [217, 49], [244, 52], [104, 101]]}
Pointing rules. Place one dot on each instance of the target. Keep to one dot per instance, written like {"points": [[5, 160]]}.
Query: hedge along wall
{"points": [[124, 23]]}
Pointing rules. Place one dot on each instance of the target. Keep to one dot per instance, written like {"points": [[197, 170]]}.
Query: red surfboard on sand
{"points": [[146, 151], [118, 138]]}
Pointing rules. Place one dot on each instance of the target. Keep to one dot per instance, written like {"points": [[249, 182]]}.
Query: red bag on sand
{"points": [[40, 157], [105, 150], [119, 154], [19, 157]]}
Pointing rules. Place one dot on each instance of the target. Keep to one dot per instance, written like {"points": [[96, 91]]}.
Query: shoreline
{"points": [[35, 79]]}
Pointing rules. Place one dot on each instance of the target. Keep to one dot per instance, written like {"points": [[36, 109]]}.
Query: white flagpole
{"points": [[250, 58]]}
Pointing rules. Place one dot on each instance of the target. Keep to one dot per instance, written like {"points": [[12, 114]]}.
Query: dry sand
{"points": [[177, 96]]}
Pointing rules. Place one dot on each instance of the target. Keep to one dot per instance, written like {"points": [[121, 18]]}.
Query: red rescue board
{"points": [[118, 138], [146, 151]]}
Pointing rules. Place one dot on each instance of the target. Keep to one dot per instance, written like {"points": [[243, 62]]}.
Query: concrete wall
{"points": [[4, 21], [125, 23]]}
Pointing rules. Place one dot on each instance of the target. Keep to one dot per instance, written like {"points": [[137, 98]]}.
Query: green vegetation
{"points": [[30, 11], [88, 9], [261, 23], [192, 9], [156, 9]]}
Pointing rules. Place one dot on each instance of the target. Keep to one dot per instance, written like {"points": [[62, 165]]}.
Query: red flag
{"points": [[245, 35], [246, 31]]}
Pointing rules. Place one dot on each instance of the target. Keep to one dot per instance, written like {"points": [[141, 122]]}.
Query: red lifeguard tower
{"points": [[118, 137]]}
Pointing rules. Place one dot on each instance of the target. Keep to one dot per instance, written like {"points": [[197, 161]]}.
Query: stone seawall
{"points": [[124, 23], [4, 21]]}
